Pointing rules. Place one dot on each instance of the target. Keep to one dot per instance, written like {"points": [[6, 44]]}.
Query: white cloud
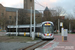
{"points": [[53, 1], [10, 3]]}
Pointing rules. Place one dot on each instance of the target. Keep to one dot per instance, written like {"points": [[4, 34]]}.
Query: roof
{"points": [[11, 9], [1, 5], [15, 9], [46, 9], [29, 11], [33, 11]]}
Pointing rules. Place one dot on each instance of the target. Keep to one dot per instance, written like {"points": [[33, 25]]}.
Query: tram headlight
{"points": [[50, 34], [44, 34]]}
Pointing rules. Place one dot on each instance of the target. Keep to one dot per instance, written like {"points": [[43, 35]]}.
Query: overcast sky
{"points": [[68, 5]]}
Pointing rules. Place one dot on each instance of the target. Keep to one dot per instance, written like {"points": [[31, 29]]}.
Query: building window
{"points": [[38, 16], [15, 18], [30, 0], [2, 14], [10, 17]]}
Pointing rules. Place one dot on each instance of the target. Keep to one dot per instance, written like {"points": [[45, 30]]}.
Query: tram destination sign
{"points": [[47, 24]]}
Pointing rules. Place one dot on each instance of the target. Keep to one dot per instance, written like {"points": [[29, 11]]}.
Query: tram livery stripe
{"points": [[24, 33]]}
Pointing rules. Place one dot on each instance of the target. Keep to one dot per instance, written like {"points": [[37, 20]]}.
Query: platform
{"points": [[58, 44]]}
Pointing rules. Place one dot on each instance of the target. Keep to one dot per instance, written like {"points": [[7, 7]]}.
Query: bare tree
{"points": [[60, 11]]}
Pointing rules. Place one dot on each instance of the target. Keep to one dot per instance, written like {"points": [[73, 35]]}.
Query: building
{"points": [[48, 14], [28, 4], [8, 14]]}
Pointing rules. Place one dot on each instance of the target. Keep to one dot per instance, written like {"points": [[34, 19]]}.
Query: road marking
{"points": [[31, 42]]}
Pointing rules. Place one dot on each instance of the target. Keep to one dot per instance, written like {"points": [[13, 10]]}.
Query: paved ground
{"points": [[2, 33], [65, 45], [58, 44]]}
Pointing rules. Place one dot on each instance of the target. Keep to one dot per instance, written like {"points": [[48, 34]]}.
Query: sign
{"points": [[61, 23], [47, 24], [0, 29], [62, 31], [65, 32]]}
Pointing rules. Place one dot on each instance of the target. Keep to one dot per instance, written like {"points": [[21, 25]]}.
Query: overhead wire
{"points": [[39, 4]]}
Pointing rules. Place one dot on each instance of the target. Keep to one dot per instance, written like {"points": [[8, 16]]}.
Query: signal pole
{"points": [[69, 27], [58, 26]]}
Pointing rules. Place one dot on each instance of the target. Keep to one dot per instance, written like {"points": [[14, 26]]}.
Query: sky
{"points": [[68, 5]]}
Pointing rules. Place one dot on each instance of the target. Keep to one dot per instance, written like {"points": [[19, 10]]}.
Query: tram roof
{"points": [[48, 22], [23, 26], [26, 26]]}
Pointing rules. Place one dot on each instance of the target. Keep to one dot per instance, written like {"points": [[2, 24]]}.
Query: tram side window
{"points": [[11, 30], [7, 29], [14, 29], [24, 30], [20, 30], [27, 30], [38, 29]]}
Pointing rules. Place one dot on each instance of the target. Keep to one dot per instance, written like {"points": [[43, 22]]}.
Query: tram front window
{"points": [[47, 29]]}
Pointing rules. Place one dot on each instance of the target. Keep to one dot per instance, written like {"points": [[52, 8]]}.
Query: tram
{"points": [[22, 30], [47, 30], [44, 30]]}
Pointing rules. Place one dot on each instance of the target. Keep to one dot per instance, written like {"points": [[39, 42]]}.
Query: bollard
{"points": [[65, 38]]}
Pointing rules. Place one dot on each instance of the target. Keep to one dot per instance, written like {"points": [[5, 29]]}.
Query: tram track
{"points": [[36, 45]]}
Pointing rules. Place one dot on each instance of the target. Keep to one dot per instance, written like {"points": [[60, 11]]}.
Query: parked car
{"points": [[73, 31]]}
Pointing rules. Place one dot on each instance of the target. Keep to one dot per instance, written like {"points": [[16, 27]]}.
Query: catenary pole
{"points": [[34, 19], [16, 22], [31, 22]]}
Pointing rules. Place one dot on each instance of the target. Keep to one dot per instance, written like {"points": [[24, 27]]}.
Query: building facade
{"points": [[8, 14], [28, 4]]}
